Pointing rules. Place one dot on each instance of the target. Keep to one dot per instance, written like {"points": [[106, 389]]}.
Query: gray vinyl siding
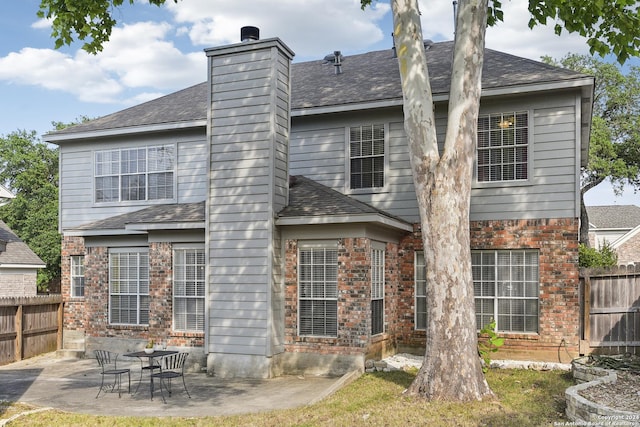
{"points": [[77, 205], [551, 191], [248, 185]]}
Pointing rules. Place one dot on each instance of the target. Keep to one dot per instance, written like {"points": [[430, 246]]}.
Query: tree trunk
{"points": [[451, 369], [584, 223]]}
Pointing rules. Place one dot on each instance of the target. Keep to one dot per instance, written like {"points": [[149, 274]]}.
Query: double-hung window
{"points": [[377, 291], [503, 147], [505, 284], [129, 286], [77, 276], [420, 278], [318, 289], [188, 289], [135, 174], [367, 156]]}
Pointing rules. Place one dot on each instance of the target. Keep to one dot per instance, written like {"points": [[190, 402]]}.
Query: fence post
{"points": [[18, 323], [60, 321], [587, 312]]}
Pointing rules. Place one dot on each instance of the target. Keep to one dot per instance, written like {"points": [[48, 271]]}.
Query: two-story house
{"points": [[266, 220]]}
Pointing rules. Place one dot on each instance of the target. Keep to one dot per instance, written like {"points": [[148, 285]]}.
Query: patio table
{"points": [[156, 354]]}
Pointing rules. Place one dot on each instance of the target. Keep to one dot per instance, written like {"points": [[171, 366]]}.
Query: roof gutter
{"points": [[585, 83], [346, 219], [56, 138]]}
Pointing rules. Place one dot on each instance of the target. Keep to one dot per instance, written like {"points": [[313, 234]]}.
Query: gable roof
{"points": [[367, 80], [313, 203], [16, 253], [614, 216]]}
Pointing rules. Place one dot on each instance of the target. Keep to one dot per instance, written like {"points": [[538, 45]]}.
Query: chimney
{"points": [[248, 134], [249, 34]]}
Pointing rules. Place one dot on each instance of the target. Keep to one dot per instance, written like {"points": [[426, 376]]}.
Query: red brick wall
{"points": [[629, 251], [91, 312], [559, 301], [74, 308], [354, 301], [559, 287]]}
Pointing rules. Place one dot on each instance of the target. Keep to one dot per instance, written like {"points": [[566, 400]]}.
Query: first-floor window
{"points": [[129, 286], [188, 289], [318, 289], [377, 291], [420, 278], [77, 276], [506, 284]]}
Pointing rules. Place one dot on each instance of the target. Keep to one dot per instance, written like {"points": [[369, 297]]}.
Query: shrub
{"points": [[592, 257]]}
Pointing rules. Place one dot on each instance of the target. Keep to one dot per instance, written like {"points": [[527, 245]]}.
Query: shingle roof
{"points": [[614, 216], [367, 77], [164, 214], [16, 252], [308, 198]]}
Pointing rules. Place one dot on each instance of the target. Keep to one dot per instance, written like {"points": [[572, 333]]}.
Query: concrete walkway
{"points": [[72, 384]]}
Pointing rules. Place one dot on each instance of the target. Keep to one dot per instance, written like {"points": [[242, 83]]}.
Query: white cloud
{"points": [[145, 59], [138, 56], [311, 27]]}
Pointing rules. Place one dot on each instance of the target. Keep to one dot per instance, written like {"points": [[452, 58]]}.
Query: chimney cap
{"points": [[249, 33]]}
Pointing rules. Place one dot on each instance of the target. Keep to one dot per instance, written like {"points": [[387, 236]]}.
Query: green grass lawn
{"points": [[524, 398]]}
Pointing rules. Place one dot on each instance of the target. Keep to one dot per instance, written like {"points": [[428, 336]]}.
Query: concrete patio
{"points": [[72, 384]]}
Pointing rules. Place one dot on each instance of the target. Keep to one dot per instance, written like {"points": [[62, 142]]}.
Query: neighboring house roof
{"points": [[16, 253], [313, 203], [5, 195], [367, 80], [613, 217]]}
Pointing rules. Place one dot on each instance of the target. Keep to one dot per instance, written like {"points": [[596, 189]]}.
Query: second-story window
{"points": [[503, 147], [366, 156], [135, 174]]}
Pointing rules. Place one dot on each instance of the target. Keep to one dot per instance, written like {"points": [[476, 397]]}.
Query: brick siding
{"points": [[90, 314]]}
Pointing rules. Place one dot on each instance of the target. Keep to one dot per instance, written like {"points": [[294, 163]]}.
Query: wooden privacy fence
{"points": [[611, 309], [29, 326]]}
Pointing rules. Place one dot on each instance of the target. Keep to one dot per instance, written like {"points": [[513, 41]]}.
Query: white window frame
{"points": [[135, 289], [318, 290], [514, 285], [348, 158], [112, 165], [189, 283], [377, 287], [420, 291], [506, 117], [76, 276]]}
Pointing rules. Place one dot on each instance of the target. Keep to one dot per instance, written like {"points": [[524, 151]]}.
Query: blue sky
{"points": [[155, 51]]}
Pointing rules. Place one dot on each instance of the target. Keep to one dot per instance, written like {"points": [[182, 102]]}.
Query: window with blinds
{"points": [[145, 173], [377, 291], [188, 289], [420, 281], [129, 287], [318, 290], [503, 147], [77, 276], [366, 156]]}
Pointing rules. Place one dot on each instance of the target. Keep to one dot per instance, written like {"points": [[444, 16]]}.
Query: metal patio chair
{"points": [[171, 367], [108, 362]]}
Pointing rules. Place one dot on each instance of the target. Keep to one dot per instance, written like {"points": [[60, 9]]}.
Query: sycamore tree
{"points": [[451, 368], [614, 146]]}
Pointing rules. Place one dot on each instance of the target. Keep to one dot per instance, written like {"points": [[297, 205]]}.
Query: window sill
{"points": [[501, 184], [128, 327]]}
